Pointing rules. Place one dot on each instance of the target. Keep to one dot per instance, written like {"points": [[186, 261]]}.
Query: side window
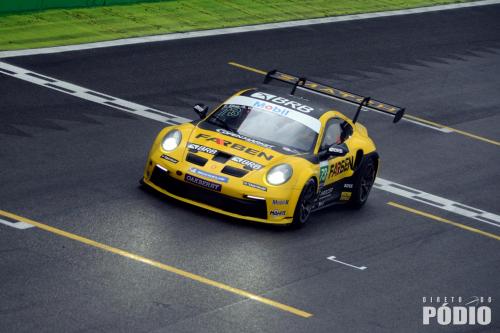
{"points": [[346, 131], [336, 132]]}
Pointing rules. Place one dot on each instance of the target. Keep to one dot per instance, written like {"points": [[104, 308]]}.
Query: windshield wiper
{"points": [[222, 123]]}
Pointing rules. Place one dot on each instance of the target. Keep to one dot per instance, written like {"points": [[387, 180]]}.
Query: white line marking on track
{"points": [[164, 117], [439, 202], [333, 258], [87, 94], [258, 27], [16, 224]]}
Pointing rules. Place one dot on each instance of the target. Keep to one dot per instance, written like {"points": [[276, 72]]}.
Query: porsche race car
{"points": [[270, 154]]}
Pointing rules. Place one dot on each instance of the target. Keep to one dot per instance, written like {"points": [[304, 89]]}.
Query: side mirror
{"points": [[201, 110], [338, 150]]}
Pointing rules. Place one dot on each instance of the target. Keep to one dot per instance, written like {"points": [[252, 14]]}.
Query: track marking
{"points": [[407, 117], [87, 94], [333, 258], [168, 118], [159, 265], [15, 223], [248, 68], [450, 129], [248, 28], [440, 219], [438, 202], [158, 115]]}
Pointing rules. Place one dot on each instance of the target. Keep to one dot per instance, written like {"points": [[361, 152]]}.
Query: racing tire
{"points": [[305, 204], [363, 184]]}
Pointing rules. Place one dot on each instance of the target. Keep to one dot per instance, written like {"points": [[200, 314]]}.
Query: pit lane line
{"points": [[157, 264], [407, 117], [141, 110]]}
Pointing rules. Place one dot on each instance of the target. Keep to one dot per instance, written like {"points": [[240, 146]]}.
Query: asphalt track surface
{"points": [[74, 165]]}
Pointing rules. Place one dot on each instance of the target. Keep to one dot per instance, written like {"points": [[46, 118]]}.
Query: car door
{"points": [[334, 168]]}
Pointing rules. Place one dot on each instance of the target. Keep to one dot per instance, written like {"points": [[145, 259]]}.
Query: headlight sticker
{"points": [[168, 158], [252, 185]]}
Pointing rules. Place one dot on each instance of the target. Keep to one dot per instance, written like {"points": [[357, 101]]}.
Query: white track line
{"points": [[258, 27], [90, 95], [164, 117], [333, 258], [16, 224], [439, 202], [123, 105]]}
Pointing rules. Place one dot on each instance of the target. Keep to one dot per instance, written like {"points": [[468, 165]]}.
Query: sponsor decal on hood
{"points": [[233, 145]]}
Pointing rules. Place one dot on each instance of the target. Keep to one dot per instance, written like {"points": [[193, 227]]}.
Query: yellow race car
{"points": [[269, 154]]}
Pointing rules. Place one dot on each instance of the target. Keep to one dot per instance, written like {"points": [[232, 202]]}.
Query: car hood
{"points": [[233, 149]]}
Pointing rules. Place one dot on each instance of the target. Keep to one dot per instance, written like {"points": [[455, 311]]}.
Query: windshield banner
{"points": [[300, 117]]}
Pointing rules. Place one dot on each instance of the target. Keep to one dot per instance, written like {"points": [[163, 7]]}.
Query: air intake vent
{"points": [[195, 159], [221, 157], [235, 172]]}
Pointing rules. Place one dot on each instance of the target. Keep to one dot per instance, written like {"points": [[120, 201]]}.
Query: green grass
{"points": [[74, 26]]}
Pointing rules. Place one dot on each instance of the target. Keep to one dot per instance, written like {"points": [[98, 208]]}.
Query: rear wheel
{"points": [[364, 183], [305, 204]]}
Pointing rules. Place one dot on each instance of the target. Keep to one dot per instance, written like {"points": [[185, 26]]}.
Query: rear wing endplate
{"points": [[361, 101]]}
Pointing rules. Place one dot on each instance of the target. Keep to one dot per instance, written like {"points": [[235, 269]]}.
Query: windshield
{"points": [[274, 125]]}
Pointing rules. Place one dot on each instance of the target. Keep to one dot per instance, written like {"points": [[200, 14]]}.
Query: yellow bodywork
{"points": [[280, 200]]}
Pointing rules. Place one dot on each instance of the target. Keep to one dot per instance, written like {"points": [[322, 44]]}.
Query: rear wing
{"points": [[361, 101]]}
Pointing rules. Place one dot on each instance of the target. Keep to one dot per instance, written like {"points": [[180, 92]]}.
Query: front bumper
{"points": [[168, 181]]}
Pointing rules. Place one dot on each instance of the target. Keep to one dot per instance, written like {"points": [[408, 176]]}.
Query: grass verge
{"points": [[74, 26]]}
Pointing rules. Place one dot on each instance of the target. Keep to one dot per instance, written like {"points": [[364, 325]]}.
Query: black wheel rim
{"points": [[367, 182], [306, 204]]}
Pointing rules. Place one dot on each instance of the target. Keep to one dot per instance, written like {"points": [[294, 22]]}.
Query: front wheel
{"points": [[364, 183], [305, 204]]}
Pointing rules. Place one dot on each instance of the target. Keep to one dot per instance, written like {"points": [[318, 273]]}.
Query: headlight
{"points": [[171, 140], [279, 174]]}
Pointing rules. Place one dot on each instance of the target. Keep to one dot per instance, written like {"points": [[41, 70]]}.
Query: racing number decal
{"points": [[323, 171]]}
